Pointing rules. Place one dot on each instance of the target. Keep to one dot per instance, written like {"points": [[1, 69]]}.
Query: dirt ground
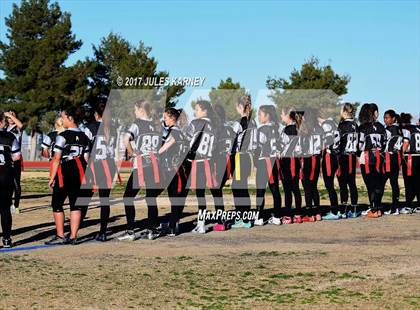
{"points": [[353, 263]]}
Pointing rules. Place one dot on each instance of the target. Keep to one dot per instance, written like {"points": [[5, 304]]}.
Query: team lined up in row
{"points": [[208, 151]]}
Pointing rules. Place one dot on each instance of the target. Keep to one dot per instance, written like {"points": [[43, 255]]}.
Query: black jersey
{"points": [[9, 147], [349, 136], [290, 142], [71, 143], [225, 136], [48, 142], [331, 136], [16, 132], [202, 135], [102, 143], [175, 154], [393, 138], [246, 135], [372, 138], [144, 136], [411, 134], [267, 141], [311, 143]]}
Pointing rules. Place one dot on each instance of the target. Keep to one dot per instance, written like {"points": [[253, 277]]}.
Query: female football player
{"points": [[9, 154], [202, 135], [266, 163], [393, 158], [142, 141], [172, 153], [222, 161], [411, 162], [67, 175], [15, 126], [290, 164], [371, 145], [347, 159], [102, 168], [244, 145], [311, 134], [329, 163]]}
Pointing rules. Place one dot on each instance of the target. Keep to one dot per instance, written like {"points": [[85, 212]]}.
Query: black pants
{"points": [[412, 182], [71, 187], [102, 180], [17, 172], [373, 181], [153, 190], [291, 184], [310, 173], [347, 179], [329, 168], [392, 176], [267, 174], [241, 167], [6, 193], [177, 193]]}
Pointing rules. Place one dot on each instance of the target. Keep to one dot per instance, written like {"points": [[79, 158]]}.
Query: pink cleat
{"points": [[219, 227]]}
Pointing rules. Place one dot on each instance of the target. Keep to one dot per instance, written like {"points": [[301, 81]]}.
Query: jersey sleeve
{"points": [[60, 142], [189, 133], [262, 138], [237, 128], [327, 134], [88, 133], [133, 131], [362, 138], [406, 134], [46, 142], [15, 148]]}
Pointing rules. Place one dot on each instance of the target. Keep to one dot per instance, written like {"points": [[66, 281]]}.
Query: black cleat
{"points": [[71, 241], [101, 237], [56, 240], [7, 243]]}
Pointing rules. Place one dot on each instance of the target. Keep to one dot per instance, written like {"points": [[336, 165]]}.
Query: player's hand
{"points": [[51, 183]]}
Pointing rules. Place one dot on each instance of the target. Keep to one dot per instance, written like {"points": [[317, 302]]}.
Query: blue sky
{"points": [[377, 43]]}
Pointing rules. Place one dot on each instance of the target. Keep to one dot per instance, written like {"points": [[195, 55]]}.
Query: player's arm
{"points": [[60, 141], [169, 142], [14, 119], [406, 140], [46, 144], [16, 154], [54, 168]]}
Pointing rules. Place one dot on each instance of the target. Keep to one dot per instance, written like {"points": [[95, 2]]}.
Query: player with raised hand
{"points": [[393, 150], [371, 146], [9, 155], [266, 163], [411, 162], [142, 141], [67, 175], [290, 164], [15, 126], [172, 154], [244, 146]]}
